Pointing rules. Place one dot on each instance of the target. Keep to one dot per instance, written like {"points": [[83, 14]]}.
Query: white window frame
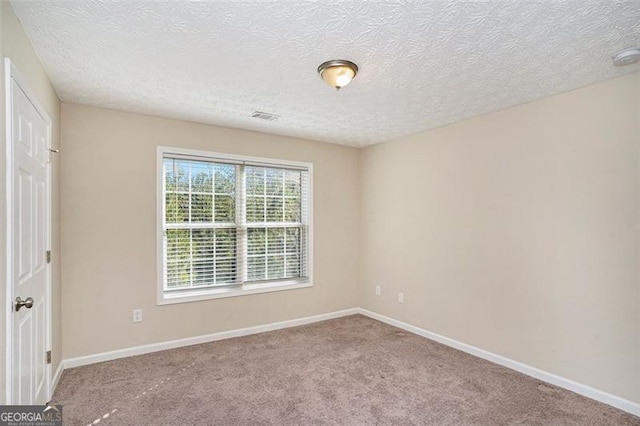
{"points": [[192, 295]]}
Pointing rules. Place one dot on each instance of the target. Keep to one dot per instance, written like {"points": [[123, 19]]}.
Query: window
{"points": [[231, 225]]}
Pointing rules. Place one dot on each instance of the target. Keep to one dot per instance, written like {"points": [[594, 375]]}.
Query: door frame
{"points": [[12, 74]]}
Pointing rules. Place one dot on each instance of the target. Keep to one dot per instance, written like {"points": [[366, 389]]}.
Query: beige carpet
{"points": [[348, 371]]}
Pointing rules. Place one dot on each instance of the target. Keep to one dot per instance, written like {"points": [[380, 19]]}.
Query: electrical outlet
{"points": [[400, 297], [137, 315], [378, 290]]}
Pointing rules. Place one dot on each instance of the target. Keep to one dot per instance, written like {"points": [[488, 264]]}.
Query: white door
{"points": [[29, 236]]}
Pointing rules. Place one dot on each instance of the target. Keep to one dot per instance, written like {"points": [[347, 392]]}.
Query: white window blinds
{"points": [[227, 224], [276, 221]]}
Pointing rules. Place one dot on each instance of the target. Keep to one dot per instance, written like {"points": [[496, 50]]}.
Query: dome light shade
{"points": [[337, 73], [626, 57]]}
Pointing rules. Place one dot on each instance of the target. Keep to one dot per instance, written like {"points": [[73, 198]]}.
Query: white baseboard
{"points": [[579, 388], [172, 344]]}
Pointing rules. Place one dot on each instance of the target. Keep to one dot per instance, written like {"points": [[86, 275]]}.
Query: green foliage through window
{"points": [[210, 242]]}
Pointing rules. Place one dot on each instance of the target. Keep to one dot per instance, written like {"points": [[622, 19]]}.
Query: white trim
{"points": [[56, 378], [217, 293], [172, 344], [239, 159], [193, 295], [589, 392], [579, 388], [159, 220], [9, 230], [12, 73]]}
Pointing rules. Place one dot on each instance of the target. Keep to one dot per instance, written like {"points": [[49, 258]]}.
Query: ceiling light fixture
{"points": [[337, 73], [626, 57]]}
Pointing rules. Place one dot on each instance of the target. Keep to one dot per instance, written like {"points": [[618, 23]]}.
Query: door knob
{"points": [[27, 303]]}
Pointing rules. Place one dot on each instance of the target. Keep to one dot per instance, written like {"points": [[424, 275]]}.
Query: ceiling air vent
{"points": [[264, 116]]}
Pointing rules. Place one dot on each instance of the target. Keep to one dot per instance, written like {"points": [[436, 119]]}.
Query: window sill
{"points": [[168, 298]]}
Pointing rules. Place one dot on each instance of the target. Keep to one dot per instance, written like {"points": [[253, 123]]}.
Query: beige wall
{"points": [[16, 46], [517, 232], [109, 221]]}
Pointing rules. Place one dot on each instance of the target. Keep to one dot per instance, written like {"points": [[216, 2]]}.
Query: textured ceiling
{"points": [[422, 64]]}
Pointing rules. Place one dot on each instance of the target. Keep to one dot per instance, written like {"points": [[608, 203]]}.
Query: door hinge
{"points": [[52, 151], [48, 357], [48, 256]]}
